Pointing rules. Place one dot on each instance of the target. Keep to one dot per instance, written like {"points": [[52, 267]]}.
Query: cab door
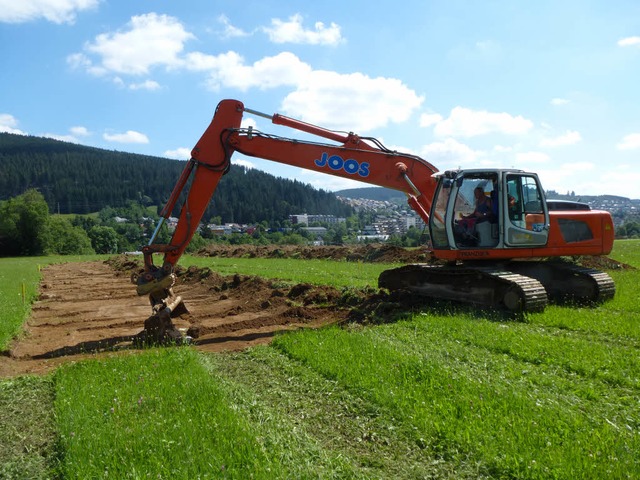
{"points": [[525, 216]]}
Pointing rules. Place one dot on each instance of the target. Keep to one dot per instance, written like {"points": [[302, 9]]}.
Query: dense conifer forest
{"points": [[79, 179]]}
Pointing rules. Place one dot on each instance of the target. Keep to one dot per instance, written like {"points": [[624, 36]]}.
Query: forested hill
{"points": [[79, 179]]}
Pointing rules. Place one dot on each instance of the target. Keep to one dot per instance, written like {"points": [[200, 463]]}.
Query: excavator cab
{"points": [[488, 209]]}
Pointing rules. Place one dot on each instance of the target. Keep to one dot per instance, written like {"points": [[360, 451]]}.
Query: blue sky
{"points": [[546, 86]]}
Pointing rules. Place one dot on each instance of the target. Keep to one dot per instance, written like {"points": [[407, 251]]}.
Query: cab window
{"points": [[525, 203]]}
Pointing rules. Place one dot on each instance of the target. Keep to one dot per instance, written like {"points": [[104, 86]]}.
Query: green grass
{"points": [[627, 251], [319, 410], [143, 415], [510, 399], [318, 272], [27, 424], [341, 273], [19, 279], [162, 414]]}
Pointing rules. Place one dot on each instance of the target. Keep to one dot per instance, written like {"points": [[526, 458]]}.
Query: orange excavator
{"points": [[499, 257]]}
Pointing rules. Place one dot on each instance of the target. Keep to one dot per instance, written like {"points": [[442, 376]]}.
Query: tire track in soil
{"points": [[89, 309]]}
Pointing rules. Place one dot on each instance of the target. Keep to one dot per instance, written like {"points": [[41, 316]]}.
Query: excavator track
{"points": [[568, 282], [488, 286]]}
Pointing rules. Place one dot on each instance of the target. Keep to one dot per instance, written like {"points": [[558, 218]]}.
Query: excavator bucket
{"points": [[159, 328]]}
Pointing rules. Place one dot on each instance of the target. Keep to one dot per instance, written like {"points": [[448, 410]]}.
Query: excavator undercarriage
{"points": [[516, 286]]}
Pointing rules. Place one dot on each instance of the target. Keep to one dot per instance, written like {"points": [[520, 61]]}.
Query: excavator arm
{"points": [[353, 157]]}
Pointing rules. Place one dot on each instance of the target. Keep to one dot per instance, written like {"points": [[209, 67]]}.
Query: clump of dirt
{"points": [[125, 265], [382, 253], [603, 262], [352, 253]]}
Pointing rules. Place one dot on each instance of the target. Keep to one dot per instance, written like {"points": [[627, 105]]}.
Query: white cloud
{"points": [[353, 102], [568, 138], [146, 85], [342, 101], [62, 138], [429, 119], [130, 136], [629, 42], [527, 158], [8, 124], [229, 70], [56, 11], [181, 153], [609, 181], [248, 122], [202, 62], [565, 177], [149, 40], [79, 131], [559, 101], [502, 149], [229, 30], [450, 154], [464, 122], [72, 137], [629, 142], [292, 31], [242, 162]]}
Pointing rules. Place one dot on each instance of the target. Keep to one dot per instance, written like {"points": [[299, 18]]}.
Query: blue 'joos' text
{"points": [[336, 162]]}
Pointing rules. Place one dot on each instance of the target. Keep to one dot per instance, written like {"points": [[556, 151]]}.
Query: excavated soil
{"points": [[383, 253], [352, 253], [90, 309]]}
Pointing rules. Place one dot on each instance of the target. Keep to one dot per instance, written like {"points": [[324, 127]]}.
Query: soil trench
{"points": [[89, 309]]}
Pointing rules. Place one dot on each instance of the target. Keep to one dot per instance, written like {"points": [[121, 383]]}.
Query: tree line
{"points": [[78, 179], [26, 229]]}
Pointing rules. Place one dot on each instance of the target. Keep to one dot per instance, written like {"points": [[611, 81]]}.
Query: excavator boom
{"points": [[353, 157]]}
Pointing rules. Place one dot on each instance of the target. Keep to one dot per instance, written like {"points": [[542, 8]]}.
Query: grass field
{"points": [[318, 272], [19, 278], [430, 396]]}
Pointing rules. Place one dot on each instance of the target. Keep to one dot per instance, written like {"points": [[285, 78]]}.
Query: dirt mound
{"points": [[351, 253], [242, 302], [603, 263], [383, 253]]}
